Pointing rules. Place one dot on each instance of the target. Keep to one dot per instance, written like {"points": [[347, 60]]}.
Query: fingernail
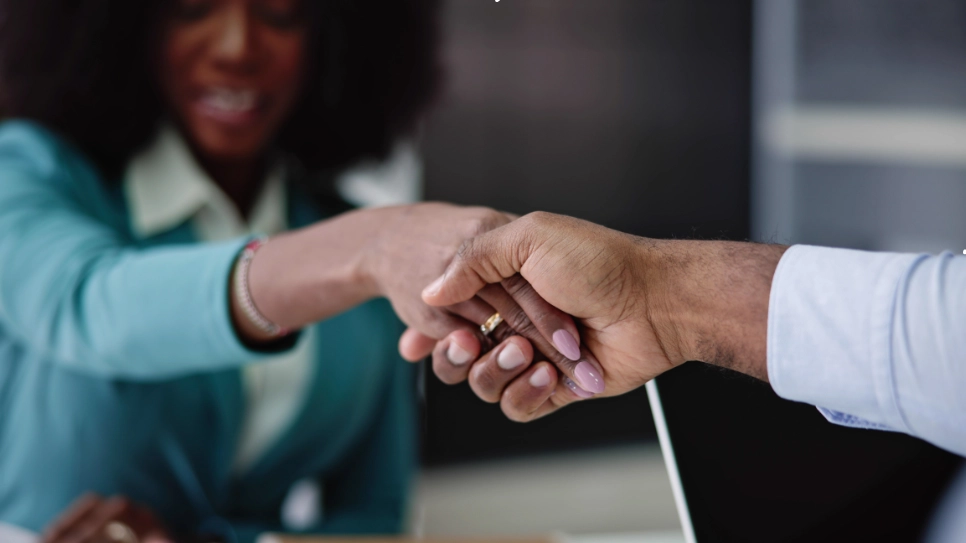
{"points": [[540, 378], [566, 344], [588, 378], [434, 287], [458, 355], [510, 357], [568, 382]]}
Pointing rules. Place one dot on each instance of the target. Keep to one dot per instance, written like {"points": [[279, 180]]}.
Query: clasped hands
{"points": [[588, 311], [584, 307]]}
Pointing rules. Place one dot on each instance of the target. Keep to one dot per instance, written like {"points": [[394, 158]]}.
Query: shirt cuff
{"points": [[844, 419], [830, 329]]}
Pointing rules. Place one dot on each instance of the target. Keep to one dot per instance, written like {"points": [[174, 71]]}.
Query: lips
{"points": [[233, 106]]}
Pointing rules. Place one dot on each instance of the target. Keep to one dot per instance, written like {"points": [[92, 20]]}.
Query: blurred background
{"points": [[812, 121]]}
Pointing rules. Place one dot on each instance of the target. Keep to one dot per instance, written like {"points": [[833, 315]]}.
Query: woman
{"points": [[146, 143]]}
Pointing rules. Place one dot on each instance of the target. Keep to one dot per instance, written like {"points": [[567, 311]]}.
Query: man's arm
{"points": [[873, 335]]}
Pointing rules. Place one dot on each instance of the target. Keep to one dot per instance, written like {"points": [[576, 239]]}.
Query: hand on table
{"points": [[93, 519]]}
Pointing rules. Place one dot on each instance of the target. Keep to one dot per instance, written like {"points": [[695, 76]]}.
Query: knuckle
{"points": [[517, 319], [518, 287], [483, 220], [465, 251], [485, 385], [513, 410], [474, 227], [538, 218], [502, 332]]}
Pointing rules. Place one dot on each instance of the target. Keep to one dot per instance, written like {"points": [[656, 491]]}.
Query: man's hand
{"points": [[644, 306], [594, 274]]}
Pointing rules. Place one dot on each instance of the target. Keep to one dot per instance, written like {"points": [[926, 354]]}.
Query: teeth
{"points": [[232, 100]]}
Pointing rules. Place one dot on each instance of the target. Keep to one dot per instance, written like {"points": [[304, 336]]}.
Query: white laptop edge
{"points": [[667, 451]]}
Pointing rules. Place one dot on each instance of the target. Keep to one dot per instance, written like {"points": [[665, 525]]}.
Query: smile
{"points": [[230, 105]]}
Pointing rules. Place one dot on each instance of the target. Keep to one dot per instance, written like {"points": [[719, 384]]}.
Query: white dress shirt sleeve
{"points": [[875, 340]]}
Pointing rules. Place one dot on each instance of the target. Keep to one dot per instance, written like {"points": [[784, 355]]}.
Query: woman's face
{"points": [[231, 71]]}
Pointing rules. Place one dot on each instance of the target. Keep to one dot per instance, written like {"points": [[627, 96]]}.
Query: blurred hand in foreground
{"points": [[93, 519]]}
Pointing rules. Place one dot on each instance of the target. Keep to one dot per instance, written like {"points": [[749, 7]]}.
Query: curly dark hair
{"points": [[85, 69]]}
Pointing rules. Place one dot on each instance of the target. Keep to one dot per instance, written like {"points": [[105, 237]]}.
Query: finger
{"points": [[490, 376], [437, 323], [487, 258], [585, 371], [476, 311], [553, 324], [415, 346], [79, 510], [527, 398], [92, 528], [452, 356]]}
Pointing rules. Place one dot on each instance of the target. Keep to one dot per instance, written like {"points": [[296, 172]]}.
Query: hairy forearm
{"points": [[713, 306]]}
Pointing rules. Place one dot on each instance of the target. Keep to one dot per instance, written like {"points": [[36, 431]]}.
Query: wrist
{"points": [[371, 267], [715, 299], [662, 265], [310, 274], [247, 314]]}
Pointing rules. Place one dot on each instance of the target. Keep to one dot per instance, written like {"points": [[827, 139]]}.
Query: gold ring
{"points": [[120, 533], [491, 323]]}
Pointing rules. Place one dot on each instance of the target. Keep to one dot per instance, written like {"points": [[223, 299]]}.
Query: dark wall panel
{"points": [[630, 113]]}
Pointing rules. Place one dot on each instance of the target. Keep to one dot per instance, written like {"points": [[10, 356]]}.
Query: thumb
{"points": [[488, 258]]}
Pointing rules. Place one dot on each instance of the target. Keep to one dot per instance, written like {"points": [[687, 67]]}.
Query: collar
{"points": [[166, 187]]}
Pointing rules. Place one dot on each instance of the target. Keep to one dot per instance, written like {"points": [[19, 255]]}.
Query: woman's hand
{"points": [[311, 274], [503, 374], [93, 519]]}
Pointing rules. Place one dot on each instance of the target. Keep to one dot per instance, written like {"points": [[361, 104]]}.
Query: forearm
{"points": [[314, 273], [714, 306]]}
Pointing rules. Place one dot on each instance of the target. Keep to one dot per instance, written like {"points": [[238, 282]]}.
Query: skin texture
{"points": [[643, 306]]}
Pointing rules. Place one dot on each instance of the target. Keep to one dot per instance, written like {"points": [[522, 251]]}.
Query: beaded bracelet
{"points": [[244, 295]]}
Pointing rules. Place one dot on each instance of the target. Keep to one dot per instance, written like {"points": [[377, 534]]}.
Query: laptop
{"points": [[746, 466]]}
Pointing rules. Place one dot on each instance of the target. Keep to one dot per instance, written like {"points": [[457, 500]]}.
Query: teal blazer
{"points": [[119, 369]]}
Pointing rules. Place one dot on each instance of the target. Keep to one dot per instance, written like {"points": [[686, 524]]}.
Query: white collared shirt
{"points": [[165, 187]]}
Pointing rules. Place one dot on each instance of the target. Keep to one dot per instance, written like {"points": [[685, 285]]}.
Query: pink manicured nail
{"points": [[510, 357], [566, 344], [434, 287], [588, 378], [540, 378], [568, 382], [457, 355]]}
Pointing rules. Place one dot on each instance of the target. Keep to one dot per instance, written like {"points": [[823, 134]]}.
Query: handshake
{"points": [[590, 312]]}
